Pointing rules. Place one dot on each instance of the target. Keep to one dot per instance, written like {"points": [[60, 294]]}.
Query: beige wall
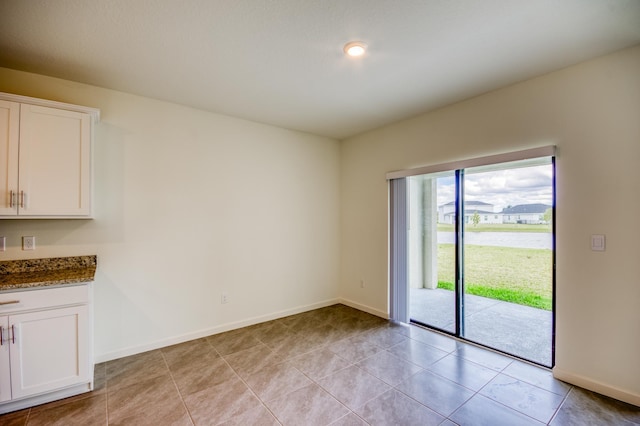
{"points": [[592, 113], [189, 205]]}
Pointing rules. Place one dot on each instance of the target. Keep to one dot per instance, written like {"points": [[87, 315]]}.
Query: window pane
{"points": [[432, 250], [508, 258]]}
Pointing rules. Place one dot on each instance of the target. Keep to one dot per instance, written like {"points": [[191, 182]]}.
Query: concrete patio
{"points": [[515, 329]]}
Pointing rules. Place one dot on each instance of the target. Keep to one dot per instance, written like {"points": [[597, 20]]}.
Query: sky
{"points": [[502, 188]]}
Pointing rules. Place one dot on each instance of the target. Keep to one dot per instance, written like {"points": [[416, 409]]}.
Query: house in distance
{"points": [[532, 214]]}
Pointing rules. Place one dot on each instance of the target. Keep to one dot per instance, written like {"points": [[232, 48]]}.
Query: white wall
{"points": [[592, 113], [188, 205]]}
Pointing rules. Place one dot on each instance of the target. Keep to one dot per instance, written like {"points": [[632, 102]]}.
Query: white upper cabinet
{"points": [[45, 149], [54, 167], [9, 142]]}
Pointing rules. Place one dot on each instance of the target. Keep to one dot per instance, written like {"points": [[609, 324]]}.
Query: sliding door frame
{"points": [[553, 262], [398, 225], [459, 254]]}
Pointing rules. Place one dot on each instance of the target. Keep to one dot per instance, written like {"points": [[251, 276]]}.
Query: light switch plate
{"points": [[597, 242]]}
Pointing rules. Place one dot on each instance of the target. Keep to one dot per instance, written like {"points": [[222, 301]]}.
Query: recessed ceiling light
{"points": [[355, 48]]}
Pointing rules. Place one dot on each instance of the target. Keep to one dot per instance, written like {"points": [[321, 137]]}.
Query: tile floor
{"points": [[334, 365]]}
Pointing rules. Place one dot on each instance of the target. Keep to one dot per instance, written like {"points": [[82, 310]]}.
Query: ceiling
{"points": [[281, 62]]}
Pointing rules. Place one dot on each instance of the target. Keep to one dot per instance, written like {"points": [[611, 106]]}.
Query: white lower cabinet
{"points": [[5, 367], [46, 349]]}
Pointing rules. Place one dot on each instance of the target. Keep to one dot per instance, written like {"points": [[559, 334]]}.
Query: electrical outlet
{"points": [[3, 243], [361, 283], [224, 298], [598, 242], [28, 243]]}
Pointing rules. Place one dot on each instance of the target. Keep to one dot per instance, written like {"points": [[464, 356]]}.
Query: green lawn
{"points": [[515, 275], [499, 227]]}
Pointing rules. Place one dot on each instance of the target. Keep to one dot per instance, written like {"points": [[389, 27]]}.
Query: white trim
{"points": [[596, 386], [133, 350], [31, 401], [545, 151], [364, 308], [93, 112]]}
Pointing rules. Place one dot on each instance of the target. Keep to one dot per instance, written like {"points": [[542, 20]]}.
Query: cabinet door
{"points": [[9, 133], [55, 162], [50, 350], [5, 372]]}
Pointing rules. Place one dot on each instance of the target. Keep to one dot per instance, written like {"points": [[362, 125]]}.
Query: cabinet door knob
{"points": [[1, 335], [11, 195], [22, 199], [9, 302], [13, 334]]}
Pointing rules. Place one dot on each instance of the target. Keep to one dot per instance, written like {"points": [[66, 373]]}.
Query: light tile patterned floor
{"points": [[334, 365]]}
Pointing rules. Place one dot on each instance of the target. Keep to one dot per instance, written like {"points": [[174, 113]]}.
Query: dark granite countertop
{"points": [[31, 273]]}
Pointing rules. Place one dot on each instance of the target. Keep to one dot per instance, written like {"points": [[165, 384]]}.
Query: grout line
{"points": [[289, 360], [173, 380], [328, 392], [475, 393], [106, 392], [325, 345], [538, 387], [263, 403], [511, 408], [555, 413], [428, 370], [244, 381]]}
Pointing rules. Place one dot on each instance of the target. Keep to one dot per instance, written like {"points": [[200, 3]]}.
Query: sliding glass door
{"points": [[479, 255], [431, 200]]}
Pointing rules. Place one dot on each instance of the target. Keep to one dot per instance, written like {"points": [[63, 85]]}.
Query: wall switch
{"points": [[28, 243], [597, 242], [361, 283], [224, 298], [3, 243]]}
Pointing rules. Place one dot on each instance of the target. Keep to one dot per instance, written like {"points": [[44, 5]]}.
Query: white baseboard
{"points": [[174, 340], [32, 401], [596, 386], [364, 308]]}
